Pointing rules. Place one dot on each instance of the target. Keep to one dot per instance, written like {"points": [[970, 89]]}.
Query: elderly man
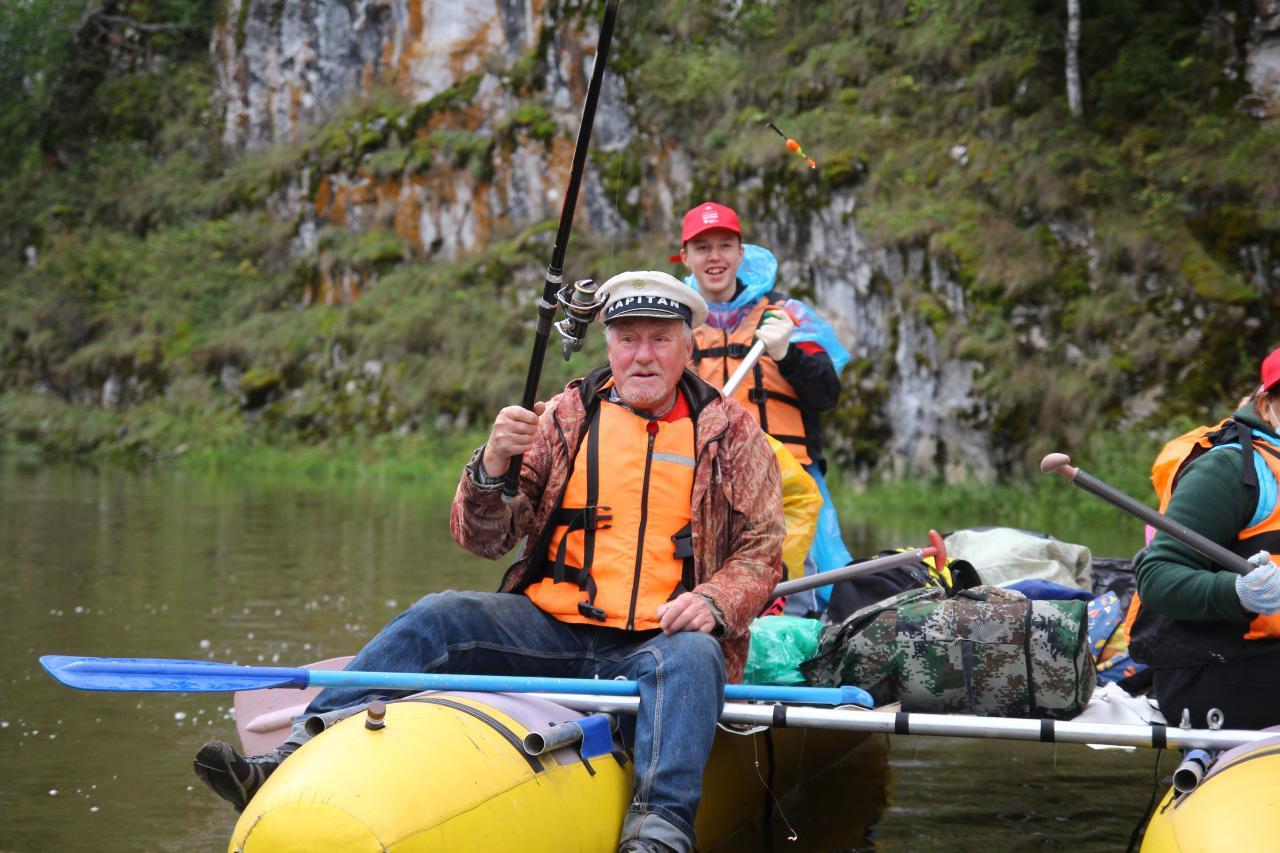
{"points": [[652, 511]]}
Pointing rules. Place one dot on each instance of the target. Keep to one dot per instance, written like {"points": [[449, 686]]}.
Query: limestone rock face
{"points": [[284, 64]]}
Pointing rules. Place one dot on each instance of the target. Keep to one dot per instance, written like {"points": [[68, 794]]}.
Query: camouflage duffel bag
{"points": [[987, 651]]}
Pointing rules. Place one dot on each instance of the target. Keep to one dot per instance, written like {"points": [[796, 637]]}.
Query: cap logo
{"points": [[645, 305]]}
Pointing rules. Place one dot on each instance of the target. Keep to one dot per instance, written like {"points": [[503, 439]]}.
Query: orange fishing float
{"points": [[794, 146]]}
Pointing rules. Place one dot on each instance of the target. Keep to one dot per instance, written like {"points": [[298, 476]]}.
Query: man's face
{"points": [[647, 356], [713, 257]]}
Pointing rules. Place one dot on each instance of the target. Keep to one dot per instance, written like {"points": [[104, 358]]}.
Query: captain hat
{"points": [[651, 293]]}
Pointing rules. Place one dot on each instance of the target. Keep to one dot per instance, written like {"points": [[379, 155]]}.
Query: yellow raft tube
{"points": [[447, 772], [1233, 808]]}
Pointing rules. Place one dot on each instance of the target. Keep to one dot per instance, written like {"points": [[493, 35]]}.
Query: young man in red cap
{"points": [[1212, 637], [797, 376]]}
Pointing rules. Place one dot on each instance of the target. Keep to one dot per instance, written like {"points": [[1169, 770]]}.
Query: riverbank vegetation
{"points": [[1117, 268]]}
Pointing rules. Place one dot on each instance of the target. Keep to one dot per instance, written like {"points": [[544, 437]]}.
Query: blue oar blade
{"points": [[148, 675]]}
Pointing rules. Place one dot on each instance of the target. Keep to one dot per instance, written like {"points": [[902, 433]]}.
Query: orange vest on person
{"points": [[769, 397], [622, 543], [1174, 458]]}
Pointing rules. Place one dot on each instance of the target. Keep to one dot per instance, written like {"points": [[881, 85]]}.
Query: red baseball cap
{"points": [[704, 217], [1271, 370]]}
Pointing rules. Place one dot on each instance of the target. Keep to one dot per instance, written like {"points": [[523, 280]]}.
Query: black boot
{"points": [[232, 776]]}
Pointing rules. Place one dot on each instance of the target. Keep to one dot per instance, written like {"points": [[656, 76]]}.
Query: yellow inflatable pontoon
{"points": [[1233, 808], [448, 772]]}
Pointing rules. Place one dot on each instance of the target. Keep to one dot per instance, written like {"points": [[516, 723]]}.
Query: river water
{"points": [[115, 562]]}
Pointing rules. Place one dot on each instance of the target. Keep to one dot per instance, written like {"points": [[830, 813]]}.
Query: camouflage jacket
{"points": [[737, 504]]}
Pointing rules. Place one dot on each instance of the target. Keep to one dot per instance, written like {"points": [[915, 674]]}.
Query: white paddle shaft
{"points": [[753, 355]]}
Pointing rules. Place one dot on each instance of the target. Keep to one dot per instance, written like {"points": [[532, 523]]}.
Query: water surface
{"points": [[122, 563]]}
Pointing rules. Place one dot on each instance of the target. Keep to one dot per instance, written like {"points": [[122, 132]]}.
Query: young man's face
{"points": [[713, 257]]}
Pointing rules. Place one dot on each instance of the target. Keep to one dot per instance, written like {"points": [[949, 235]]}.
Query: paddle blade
{"points": [[147, 675]]}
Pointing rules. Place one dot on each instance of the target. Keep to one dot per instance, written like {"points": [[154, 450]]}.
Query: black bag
{"points": [[850, 596]]}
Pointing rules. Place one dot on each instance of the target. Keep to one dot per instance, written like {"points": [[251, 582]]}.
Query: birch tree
{"points": [[1074, 97]]}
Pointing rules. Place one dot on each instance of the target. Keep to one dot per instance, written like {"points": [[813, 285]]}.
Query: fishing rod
{"points": [[580, 301]]}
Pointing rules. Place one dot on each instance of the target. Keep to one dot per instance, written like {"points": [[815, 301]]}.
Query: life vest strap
{"points": [[759, 395], [683, 539], [576, 518], [733, 350]]}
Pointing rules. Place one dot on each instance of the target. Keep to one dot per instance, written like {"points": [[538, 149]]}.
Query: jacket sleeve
{"points": [[813, 375], [744, 582], [485, 524], [1175, 579]]}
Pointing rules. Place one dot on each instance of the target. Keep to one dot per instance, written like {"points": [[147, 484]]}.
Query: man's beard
{"points": [[642, 398]]}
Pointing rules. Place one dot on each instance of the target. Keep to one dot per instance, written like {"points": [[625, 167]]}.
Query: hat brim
{"points": [[652, 313]]}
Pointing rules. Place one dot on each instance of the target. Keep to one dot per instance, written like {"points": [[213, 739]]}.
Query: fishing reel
{"points": [[581, 302]]}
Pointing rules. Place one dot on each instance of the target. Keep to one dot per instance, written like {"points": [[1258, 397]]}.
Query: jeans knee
{"points": [[698, 651], [449, 604]]}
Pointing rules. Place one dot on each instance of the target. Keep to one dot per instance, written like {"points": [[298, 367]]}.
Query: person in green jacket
{"points": [[1211, 636]]}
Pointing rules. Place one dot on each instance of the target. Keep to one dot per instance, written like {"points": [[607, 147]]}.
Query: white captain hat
{"points": [[650, 293]]}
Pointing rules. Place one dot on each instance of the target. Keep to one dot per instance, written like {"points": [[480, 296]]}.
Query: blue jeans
{"points": [[681, 681]]}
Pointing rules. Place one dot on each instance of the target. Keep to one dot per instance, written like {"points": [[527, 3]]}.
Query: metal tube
{"points": [[557, 737], [937, 549], [879, 564], [943, 725], [555, 269], [1189, 773]]}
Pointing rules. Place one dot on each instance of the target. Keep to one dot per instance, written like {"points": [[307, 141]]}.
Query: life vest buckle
{"points": [[757, 395], [591, 611], [592, 518]]}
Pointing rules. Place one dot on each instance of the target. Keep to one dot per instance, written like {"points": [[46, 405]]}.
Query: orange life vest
{"points": [[769, 397], [1177, 454], [622, 542], [1174, 458]]}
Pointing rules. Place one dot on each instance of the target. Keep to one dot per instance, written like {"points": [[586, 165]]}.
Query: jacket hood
{"points": [[1248, 414]]}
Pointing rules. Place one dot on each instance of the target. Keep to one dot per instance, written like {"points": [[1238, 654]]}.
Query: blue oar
{"points": [[193, 676]]}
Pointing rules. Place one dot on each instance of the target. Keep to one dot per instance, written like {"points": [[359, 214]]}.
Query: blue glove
{"points": [[1259, 591]]}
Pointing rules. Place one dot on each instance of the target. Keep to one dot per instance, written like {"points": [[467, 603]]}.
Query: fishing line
{"points": [[617, 173], [792, 835]]}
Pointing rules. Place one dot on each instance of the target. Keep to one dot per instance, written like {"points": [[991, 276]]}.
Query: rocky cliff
{"points": [[1006, 276]]}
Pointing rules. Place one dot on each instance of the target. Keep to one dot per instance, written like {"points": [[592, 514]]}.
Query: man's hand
{"points": [[513, 433], [1259, 591], [688, 612], [776, 331]]}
